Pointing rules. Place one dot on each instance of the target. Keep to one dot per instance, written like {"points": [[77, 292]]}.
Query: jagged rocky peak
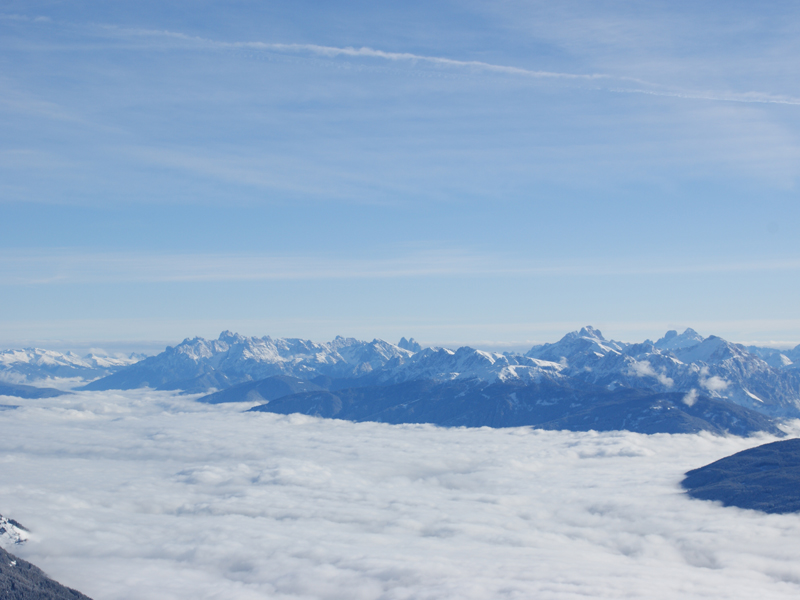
{"points": [[411, 345], [591, 332], [578, 347], [342, 342], [587, 332], [673, 341], [230, 337]]}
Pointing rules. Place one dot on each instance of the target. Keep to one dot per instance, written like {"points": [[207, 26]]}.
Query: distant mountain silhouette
{"points": [[28, 391]]}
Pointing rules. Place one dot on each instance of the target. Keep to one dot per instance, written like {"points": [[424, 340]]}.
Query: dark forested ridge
{"points": [[765, 478], [19, 390], [544, 404], [20, 580]]}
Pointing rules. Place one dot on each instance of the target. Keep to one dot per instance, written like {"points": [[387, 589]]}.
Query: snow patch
{"points": [[753, 396]]}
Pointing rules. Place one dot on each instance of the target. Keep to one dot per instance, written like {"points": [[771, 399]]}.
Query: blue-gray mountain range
{"points": [[681, 382]]}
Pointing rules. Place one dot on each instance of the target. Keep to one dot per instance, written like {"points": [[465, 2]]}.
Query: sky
{"points": [[485, 173], [145, 495]]}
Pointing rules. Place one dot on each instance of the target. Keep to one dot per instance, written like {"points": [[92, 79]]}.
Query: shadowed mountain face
{"points": [[766, 478], [545, 404], [20, 580], [28, 391], [262, 390]]}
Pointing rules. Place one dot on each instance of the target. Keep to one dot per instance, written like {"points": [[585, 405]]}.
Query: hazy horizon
{"points": [[152, 347]]}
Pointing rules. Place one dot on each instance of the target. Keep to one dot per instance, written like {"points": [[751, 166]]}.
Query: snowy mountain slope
{"points": [[793, 354], [695, 365], [672, 341], [442, 364], [187, 362], [197, 365], [772, 356], [12, 532], [30, 365], [578, 349], [432, 364]]}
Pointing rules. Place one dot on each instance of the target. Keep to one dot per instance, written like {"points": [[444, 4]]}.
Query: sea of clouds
{"points": [[149, 495]]}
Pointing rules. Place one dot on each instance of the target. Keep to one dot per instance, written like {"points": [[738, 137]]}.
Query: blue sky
{"points": [[480, 173]]}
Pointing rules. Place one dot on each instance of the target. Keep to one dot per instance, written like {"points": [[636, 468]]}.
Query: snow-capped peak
{"points": [[230, 337], [578, 348], [673, 341], [591, 332], [409, 344], [12, 532]]}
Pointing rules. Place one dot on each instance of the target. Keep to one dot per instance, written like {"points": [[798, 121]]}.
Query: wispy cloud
{"points": [[69, 266], [645, 369], [23, 102], [649, 87], [364, 52], [712, 383], [745, 97], [72, 267]]}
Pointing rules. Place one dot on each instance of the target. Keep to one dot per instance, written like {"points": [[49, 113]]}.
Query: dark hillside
{"points": [[20, 580], [765, 478]]}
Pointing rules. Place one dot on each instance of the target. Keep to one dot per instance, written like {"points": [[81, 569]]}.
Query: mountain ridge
{"points": [[678, 370]]}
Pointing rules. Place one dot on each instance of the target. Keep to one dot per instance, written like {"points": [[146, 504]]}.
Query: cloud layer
{"points": [[147, 495]]}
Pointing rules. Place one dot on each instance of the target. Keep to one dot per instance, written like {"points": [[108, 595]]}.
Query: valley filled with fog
{"points": [[152, 495]]}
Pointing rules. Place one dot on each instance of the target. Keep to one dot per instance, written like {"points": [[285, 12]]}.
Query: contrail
{"points": [[367, 52]]}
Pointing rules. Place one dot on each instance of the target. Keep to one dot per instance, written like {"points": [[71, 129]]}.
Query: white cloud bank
{"points": [[144, 495]]}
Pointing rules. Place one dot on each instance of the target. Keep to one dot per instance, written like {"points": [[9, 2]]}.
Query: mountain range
{"points": [[680, 382], [33, 365], [199, 365]]}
